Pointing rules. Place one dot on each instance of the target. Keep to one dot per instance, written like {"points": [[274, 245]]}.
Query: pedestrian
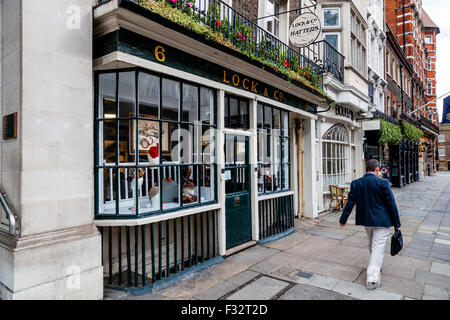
{"points": [[377, 212]]}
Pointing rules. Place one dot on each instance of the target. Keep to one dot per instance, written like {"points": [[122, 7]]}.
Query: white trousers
{"points": [[377, 246]]}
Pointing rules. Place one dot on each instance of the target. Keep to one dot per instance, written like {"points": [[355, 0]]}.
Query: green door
{"points": [[237, 191]]}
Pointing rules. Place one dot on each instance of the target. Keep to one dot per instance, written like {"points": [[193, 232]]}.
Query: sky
{"points": [[438, 10]]}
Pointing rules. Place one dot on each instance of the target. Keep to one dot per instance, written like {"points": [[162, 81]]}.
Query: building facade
{"points": [[444, 138], [155, 138], [411, 25]]}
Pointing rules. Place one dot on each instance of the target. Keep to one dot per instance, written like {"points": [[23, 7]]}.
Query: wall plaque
{"points": [[10, 126]]}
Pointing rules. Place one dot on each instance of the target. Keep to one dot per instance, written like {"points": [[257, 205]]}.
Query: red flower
{"points": [[286, 63], [218, 23], [154, 151]]}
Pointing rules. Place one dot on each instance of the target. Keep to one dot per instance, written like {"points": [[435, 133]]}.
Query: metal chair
{"points": [[337, 195]]}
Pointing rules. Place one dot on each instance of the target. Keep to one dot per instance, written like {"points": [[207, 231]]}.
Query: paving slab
{"points": [[289, 241], [306, 292], [227, 286], [311, 245], [433, 291], [361, 292], [323, 282], [203, 281], [434, 279], [265, 267], [345, 255], [398, 285], [264, 288], [288, 260], [252, 256], [440, 268], [331, 269]]}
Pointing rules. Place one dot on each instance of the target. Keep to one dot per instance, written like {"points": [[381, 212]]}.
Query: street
{"points": [[322, 260]]}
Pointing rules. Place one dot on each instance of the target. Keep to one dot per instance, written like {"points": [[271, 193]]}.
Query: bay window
{"points": [[154, 144], [273, 149]]}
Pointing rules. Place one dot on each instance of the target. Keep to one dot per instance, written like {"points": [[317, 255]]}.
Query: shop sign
{"points": [[343, 111], [140, 46], [305, 29]]}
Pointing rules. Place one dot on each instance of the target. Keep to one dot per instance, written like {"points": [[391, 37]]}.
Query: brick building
{"points": [[431, 30], [411, 26]]}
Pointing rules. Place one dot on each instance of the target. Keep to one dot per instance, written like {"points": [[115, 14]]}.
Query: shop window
{"points": [[273, 22], [155, 149], [273, 149], [237, 113], [335, 153]]}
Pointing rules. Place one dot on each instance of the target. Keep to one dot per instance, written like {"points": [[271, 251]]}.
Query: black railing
{"points": [[140, 256], [276, 215], [310, 62]]}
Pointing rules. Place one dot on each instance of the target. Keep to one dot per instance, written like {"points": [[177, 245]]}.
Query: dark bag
{"points": [[396, 242]]}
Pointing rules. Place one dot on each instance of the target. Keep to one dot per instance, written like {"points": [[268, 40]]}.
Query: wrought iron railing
{"points": [[276, 216], [141, 256], [252, 40]]}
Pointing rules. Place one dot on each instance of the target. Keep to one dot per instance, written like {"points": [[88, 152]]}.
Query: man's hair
{"points": [[372, 165]]}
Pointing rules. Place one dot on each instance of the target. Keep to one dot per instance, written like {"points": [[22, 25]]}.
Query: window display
{"points": [[273, 149], [155, 144]]}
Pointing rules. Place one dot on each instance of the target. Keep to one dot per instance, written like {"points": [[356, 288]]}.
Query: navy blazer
{"points": [[375, 203]]}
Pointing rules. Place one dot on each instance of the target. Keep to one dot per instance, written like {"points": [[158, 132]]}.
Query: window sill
{"points": [[273, 195], [121, 220]]}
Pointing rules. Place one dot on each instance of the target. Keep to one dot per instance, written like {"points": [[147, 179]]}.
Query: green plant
{"points": [[411, 131], [389, 133]]}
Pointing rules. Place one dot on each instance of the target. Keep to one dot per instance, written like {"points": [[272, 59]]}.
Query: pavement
{"points": [[323, 261]]}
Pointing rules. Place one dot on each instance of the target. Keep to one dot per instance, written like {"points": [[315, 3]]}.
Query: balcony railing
{"points": [[259, 44]]}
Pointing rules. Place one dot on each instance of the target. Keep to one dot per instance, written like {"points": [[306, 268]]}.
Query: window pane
{"points": [[260, 115], [276, 121], [234, 113], [333, 40], [207, 105], [127, 137], [170, 187], [268, 119], [107, 96], [244, 111], [170, 140], [127, 94], [170, 99], [109, 141], [148, 141], [148, 95], [285, 124], [240, 150], [261, 172], [207, 191], [190, 103], [276, 150], [187, 143], [229, 150], [151, 195], [331, 17], [261, 145], [189, 180], [208, 145], [277, 176], [286, 173]]}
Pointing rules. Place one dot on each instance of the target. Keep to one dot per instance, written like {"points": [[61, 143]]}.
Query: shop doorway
{"points": [[238, 221]]}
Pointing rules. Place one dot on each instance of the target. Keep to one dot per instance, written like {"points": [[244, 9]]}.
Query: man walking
{"points": [[376, 211]]}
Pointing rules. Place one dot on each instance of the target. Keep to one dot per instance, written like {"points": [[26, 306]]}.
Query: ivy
{"points": [[411, 131], [389, 133]]}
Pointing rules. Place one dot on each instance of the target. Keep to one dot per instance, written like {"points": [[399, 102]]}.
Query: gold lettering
{"points": [[225, 77], [266, 93], [235, 76], [281, 95], [275, 95], [254, 84], [159, 54], [243, 84]]}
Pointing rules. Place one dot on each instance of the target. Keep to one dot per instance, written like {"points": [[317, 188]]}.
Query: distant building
{"points": [[444, 138]]}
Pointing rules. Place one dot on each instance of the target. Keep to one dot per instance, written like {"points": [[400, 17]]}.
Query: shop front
{"points": [[196, 151], [339, 146]]}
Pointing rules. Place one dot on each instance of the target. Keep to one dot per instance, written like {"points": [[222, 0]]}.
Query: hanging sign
{"points": [[305, 29]]}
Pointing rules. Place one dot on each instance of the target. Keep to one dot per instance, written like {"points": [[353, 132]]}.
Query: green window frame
{"points": [[160, 127]]}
